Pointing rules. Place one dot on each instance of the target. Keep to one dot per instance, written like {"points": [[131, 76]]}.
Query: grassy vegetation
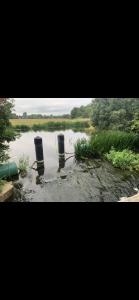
{"points": [[23, 165], [44, 124], [125, 160], [102, 142], [135, 126]]}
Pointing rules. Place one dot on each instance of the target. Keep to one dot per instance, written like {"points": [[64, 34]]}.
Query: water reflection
{"points": [[52, 161], [61, 162]]}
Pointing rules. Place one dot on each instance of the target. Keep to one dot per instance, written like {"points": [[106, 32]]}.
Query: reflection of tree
{"points": [[61, 162]]}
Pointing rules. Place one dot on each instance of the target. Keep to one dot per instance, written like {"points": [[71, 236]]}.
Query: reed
{"points": [[102, 142]]}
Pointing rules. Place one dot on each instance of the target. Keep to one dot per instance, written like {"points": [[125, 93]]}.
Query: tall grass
{"points": [[102, 142], [22, 128], [23, 165], [51, 124]]}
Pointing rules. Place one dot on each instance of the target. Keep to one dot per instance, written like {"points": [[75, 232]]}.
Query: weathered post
{"points": [[61, 146], [40, 168], [39, 151], [61, 151]]}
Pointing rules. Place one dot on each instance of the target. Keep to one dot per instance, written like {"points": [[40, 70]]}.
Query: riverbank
{"points": [[96, 181], [46, 124]]}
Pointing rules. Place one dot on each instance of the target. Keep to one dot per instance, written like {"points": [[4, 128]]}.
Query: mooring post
{"points": [[40, 168], [39, 151], [61, 146]]}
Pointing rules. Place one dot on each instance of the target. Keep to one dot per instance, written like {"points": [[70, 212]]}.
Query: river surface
{"points": [[93, 181]]}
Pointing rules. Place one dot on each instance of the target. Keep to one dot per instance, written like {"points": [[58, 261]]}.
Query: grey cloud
{"points": [[48, 106]]}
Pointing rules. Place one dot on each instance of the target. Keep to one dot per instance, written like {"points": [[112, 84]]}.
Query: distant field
{"points": [[48, 124], [31, 122]]}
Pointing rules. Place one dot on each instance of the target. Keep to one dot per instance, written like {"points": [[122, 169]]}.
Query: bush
{"points": [[102, 142], [125, 160], [83, 149], [23, 165], [23, 128]]}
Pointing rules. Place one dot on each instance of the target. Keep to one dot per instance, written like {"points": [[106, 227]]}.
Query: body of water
{"points": [[24, 145], [99, 182]]}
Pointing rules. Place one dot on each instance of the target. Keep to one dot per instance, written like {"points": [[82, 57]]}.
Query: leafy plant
{"points": [[23, 165], [125, 160], [83, 149], [102, 142]]}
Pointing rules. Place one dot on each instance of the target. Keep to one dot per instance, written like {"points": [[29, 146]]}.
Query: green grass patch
{"points": [[102, 142], [26, 125]]}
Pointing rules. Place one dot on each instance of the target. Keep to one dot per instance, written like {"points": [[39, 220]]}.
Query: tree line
{"points": [[7, 133], [115, 113], [111, 113], [25, 115]]}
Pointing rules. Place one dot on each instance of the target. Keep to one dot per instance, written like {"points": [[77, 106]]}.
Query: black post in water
{"points": [[61, 146], [40, 168], [39, 149]]}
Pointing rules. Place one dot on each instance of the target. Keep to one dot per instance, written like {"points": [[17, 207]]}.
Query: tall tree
{"points": [[114, 113], [6, 132]]}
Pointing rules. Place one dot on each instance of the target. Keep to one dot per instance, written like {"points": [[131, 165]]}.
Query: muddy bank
{"points": [[96, 181]]}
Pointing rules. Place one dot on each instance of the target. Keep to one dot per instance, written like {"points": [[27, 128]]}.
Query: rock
{"points": [[7, 192], [134, 198], [90, 167], [63, 176], [50, 180], [18, 185]]}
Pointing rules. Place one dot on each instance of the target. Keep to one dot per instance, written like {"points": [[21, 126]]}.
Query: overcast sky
{"points": [[55, 106]]}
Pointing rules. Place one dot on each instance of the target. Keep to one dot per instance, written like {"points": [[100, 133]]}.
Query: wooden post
{"points": [[39, 149], [61, 146]]}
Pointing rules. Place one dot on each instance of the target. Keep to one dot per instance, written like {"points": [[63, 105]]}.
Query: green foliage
{"points": [[54, 125], [81, 112], [102, 142], [114, 113], [23, 128], [135, 126], [7, 133], [23, 165], [125, 160], [83, 149]]}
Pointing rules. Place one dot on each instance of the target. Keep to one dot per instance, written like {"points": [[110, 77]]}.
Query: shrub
{"points": [[102, 142], [83, 149], [125, 160]]}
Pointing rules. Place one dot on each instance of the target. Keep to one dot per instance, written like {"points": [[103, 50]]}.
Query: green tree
{"points": [[6, 132], [114, 113], [81, 112], [24, 115]]}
